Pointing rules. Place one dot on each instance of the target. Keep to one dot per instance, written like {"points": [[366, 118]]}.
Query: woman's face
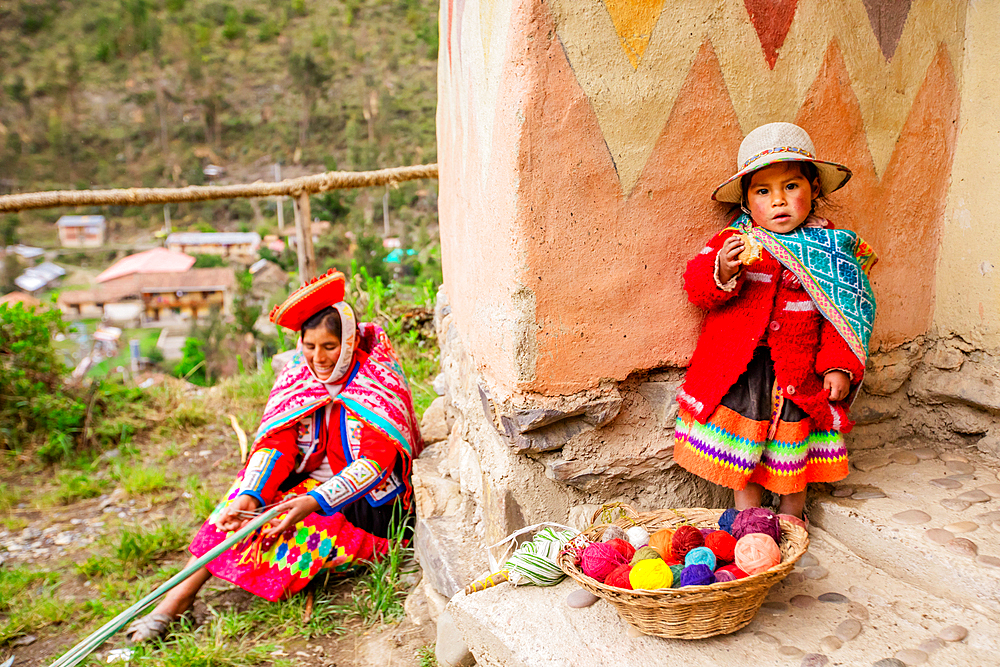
{"points": [[322, 350]]}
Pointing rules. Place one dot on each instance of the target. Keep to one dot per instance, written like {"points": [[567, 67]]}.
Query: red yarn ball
{"points": [[619, 577], [722, 544], [733, 570], [599, 559], [685, 539], [622, 547]]}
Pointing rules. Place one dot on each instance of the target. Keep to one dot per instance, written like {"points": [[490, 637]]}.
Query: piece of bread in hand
{"points": [[751, 250]]}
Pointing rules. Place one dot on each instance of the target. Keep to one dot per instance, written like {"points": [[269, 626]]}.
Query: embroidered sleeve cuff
{"points": [[730, 284], [850, 375], [352, 483], [258, 469]]}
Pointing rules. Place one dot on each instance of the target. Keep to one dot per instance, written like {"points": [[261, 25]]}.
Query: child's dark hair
{"points": [[808, 171], [328, 318]]}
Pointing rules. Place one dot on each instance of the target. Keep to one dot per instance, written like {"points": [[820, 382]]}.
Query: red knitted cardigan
{"points": [[766, 305]]}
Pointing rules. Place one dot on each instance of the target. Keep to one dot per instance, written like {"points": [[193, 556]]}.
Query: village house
{"points": [[82, 231], [155, 297], [240, 246]]}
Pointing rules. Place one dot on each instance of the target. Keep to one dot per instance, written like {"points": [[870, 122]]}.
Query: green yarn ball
{"points": [[644, 553]]}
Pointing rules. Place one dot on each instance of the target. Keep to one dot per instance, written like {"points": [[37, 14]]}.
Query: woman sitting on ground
{"points": [[333, 451]]}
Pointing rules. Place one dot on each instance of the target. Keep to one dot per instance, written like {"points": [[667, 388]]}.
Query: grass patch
{"points": [[201, 500], [379, 593], [28, 602], [139, 479], [419, 359], [139, 548], [135, 549], [283, 619], [9, 497], [13, 523], [426, 656], [73, 486], [225, 641]]}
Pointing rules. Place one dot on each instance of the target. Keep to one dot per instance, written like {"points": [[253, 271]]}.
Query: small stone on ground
{"points": [[953, 633], [911, 656], [939, 536], [911, 517], [581, 598], [848, 630], [833, 597]]}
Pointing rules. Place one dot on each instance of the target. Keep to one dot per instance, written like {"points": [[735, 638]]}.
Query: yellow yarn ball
{"points": [[650, 574]]}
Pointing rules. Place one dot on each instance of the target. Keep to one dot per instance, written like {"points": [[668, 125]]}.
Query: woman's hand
{"points": [[729, 257], [231, 519], [296, 509], [838, 383]]}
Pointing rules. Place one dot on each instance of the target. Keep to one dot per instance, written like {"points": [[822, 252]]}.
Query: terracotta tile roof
{"points": [[157, 260]]}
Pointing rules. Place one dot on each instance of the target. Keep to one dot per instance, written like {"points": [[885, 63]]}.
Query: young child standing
{"points": [[783, 346]]}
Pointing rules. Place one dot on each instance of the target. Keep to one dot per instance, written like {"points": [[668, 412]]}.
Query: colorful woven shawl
{"points": [[377, 394], [833, 266]]}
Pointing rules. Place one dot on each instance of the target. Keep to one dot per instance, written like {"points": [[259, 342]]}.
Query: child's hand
{"points": [[839, 384], [729, 257]]}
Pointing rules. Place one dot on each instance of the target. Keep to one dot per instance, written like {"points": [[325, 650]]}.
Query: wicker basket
{"points": [[692, 612]]}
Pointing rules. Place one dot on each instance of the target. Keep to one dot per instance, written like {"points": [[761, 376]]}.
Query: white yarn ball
{"points": [[637, 536]]}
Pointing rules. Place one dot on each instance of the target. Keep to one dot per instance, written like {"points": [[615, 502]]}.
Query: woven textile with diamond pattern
{"points": [[833, 266]]}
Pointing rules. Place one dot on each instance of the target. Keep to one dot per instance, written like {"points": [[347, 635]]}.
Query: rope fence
{"points": [[294, 187]]}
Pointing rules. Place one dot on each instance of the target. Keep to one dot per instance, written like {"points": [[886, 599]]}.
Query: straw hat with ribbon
{"points": [[779, 142]]}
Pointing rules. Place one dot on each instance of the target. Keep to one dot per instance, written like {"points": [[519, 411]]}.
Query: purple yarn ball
{"points": [[726, 520], [705, 532], [697, 575], [724, 575], [757, 520]]}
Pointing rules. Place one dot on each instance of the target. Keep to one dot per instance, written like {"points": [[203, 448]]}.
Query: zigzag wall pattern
{"points": [[761, 89]]}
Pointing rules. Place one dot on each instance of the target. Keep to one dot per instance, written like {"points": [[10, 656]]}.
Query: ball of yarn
{"points": [[645, 553], [705, 531], [614, 532], [722, 544], [676, 570], [623, 547], [685, 539], [697, 575], [700, 556], [721, 576], [757, 520], [732, 570], [637, 536], [660, 540], [599, 559], [619, 577], [726, 519], [651, 574], [756, 552]]}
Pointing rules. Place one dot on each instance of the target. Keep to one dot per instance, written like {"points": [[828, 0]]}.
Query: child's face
{"points": [[780, 197]]}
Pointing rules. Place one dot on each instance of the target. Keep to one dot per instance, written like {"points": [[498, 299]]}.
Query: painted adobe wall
{"points": [[580, 142], [968, 274]]}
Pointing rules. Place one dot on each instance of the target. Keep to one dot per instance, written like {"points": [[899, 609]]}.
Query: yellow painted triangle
{"points": [[634, 21]]}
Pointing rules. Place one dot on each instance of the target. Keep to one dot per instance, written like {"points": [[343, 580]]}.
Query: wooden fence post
{"points": [[304, 245]]}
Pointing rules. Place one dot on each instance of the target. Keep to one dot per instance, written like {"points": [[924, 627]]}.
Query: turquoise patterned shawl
{"points": [[833, 266]]}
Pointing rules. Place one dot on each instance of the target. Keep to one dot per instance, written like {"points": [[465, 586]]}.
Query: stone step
{"points": [[925, 519], [877, 618]]}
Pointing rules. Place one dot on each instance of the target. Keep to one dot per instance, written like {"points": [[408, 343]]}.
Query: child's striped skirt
{"points": [[758, 435]]}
